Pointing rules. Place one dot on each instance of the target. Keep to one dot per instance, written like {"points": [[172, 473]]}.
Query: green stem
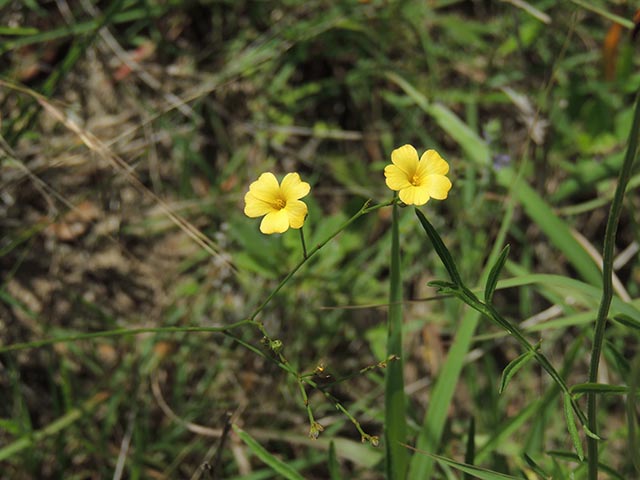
{"points": [[363, 211], [364, 436], [304, 245], [490, 312], [394, 400], [607, 287], [119, 332]]}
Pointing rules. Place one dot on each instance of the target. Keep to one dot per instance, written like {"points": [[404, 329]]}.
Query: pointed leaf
{"points": [[477, 472], [273, 462], [334, 466], [535, 467], [591, 387], [511, 369], [632, 417], [627, 321], [571, 426], [494, 274], [573, 457], [440, 248], [470, 453]]}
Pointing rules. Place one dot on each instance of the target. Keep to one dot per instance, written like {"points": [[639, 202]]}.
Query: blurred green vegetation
{"points": [[195, 99]]}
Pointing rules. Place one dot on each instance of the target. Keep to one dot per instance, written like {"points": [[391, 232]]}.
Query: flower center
{"points": [[415, 180], [279, 204]]}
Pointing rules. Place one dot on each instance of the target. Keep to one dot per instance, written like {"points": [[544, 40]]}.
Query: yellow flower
{"points": [[279, 203], [417, 180]]}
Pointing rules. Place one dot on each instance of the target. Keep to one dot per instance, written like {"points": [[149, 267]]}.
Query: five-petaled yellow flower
{"points": [[279, 203], [417, 180]]}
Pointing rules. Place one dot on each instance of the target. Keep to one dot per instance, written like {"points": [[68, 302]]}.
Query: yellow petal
{"points": [[293, 188], [414, 195], [266, 188], [406, 159], [276, 221], [297, 212], [432, 163], [395, 178], [254, 207], [438, 186]]}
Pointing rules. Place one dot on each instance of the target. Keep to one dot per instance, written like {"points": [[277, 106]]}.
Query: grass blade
{"points": [[274, 463], [334, 466], [627, 321], [470, 452], [395, 402], [632, 416], [435, 417], [570, 456], [535, 467], [476, 472]]}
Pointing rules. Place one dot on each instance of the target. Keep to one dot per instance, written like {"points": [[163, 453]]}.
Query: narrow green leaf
{"points": [[334, 466], [494, 274], [625, 22], [395, 401], [627, 321], [571, 426], [470, 452], [440, 248], [18, 31], [54, 428], [617, 359], [535, 467], [511, 369], [577, 286], [274, 463], [603, 388], [574, 458], [477, 472], [436, 415], [632, 417]]}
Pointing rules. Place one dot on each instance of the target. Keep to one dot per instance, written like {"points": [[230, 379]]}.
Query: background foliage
{"points": [[151, 106]]}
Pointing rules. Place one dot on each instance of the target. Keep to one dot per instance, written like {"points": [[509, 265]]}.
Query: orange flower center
{"points": [[280, 203]]}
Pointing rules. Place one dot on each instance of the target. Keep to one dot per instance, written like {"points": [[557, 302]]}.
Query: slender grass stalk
{"points": [[607, 286], [395, 401], [118, 332]]}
